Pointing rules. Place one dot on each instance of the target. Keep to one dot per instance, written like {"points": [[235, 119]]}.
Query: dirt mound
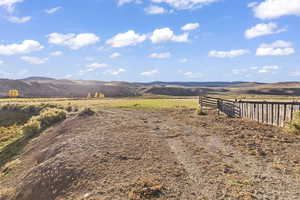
{"points": [[120, 154]]}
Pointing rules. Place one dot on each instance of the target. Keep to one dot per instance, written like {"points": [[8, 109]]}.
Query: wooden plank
{"points": [[278, 114]]}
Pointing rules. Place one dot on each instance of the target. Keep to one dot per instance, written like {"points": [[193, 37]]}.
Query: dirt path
{"points": [[138, 154]]}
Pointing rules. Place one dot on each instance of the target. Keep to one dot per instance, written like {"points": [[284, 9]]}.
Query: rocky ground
{"points": [[156, 154]]}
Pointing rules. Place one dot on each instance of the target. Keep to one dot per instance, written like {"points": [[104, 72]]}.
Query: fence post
{"points": [[218, 106]]}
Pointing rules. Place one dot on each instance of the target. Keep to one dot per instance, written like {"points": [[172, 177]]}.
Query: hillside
{"points": [[48, 87], [64, 88]]}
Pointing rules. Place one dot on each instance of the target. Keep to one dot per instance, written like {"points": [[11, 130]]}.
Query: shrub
{"points": [[47, 118], [87, 112], [294, 126], [32, 127], [51, 116]]}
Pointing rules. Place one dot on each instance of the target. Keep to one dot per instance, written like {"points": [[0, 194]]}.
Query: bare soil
{"points": [[145, 154]]}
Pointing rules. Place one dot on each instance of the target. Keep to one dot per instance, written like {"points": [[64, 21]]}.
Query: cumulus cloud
{"points": [[263, 29], [193, 75], [228, 54], [27, 46], [130, 38], [295, 73], [252, 4], [34, 60], [56, 53], [122, 2], [72, 40], [9, 5], [155, 10], [53, 10], [278, 48], [160, 55], [150, 73], [92, 67], [266, 69], [167, 35], [271, 9], [190, 27], [184, 60], [185, 4], [115, 55], [1, 62], [18, 20], [116, 72]]}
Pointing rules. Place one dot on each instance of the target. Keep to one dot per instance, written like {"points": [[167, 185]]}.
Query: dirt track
{"points": [[138, 154]]}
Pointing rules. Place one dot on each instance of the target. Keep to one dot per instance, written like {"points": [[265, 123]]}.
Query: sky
{"points": [[151, 40]]}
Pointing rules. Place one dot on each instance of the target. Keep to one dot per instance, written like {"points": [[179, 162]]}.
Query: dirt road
{"points": [[144, 154]]}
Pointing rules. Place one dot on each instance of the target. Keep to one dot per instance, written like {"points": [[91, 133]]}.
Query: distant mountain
{"points": [[192, 84], [37, 78]]}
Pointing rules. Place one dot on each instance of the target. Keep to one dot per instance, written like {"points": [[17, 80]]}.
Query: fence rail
{"points": [[273, 113]]}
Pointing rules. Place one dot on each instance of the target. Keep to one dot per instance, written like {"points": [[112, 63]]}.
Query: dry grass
{"points": [[294, 126]]}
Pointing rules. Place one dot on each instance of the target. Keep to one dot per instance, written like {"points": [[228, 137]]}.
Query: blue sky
{"points": [[147, 40]]}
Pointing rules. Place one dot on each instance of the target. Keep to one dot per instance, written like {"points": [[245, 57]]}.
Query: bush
{"points": [[47, 118], [32, 127], [51, 116], [294, 126], [26, 108], [87, 112]]}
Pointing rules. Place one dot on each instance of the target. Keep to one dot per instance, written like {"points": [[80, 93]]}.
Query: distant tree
{"points": [[13, 93], [96, 95]]}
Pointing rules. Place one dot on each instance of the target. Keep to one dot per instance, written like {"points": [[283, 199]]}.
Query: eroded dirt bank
{"points": [[138, 154]]}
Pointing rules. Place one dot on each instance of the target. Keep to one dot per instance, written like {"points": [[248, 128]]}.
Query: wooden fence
{"points": [[273, 113]]}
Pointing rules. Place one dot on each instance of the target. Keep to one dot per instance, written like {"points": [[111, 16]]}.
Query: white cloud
{"points": [[34, 60], [167, 35], [155, 10], [18, 20], [1, 62], [52, 10], [130, 38], [296, 73], [116, 72], [271, 9], [278, 48], [263, 29], [9, 5], [27, 46], [252, 4], [56, 53], [193, 75], [150, 73], [122, 2], [185, 4], [160, 55], [184, 60], [267, 69], [72, 40], [94, 66], [228, 54], [115, 55], [190, 27]]}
